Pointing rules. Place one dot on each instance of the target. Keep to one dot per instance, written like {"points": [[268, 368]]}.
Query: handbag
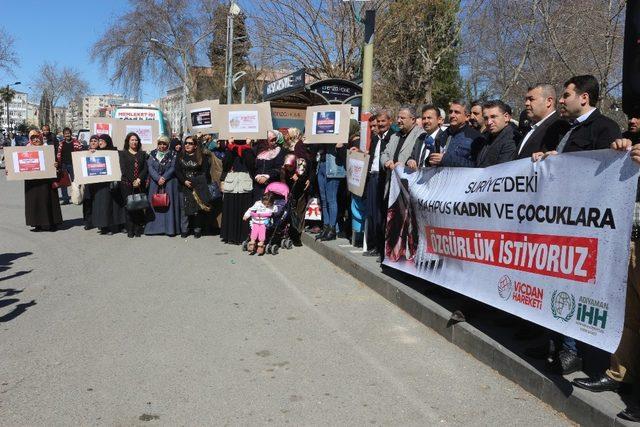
{"points": [[64, 180], [214, 191], [160, 199], [77, 193], [137, 202]]}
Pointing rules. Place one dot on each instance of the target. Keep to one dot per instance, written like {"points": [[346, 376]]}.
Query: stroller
{"points": [[277, 231]]}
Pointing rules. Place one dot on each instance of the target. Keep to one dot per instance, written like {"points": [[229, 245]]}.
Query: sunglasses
{"points": [[34, 137], [162, 143], [189, 143]]}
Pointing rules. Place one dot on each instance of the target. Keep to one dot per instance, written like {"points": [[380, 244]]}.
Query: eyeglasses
{"points": [[162, 143], [34, 137], [189, 143]]}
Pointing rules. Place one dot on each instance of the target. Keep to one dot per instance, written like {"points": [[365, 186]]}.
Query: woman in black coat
{"points": [[41, 204], [107, 204], [133, 164], [269, 161], [192, 171]]}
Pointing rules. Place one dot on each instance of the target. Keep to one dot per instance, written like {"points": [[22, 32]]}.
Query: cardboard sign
{"points": [[201, 116], [99, 166], [32, 162], [148, 135], [357, 168], [327, 124], [101, 125], [241, 121]]}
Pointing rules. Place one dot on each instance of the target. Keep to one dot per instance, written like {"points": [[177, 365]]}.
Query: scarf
{"points": [[238, 148]]}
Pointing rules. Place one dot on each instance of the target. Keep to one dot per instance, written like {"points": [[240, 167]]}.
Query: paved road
{"points": [[113, 331]]}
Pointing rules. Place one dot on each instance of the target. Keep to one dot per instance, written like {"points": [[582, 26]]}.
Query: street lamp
{"points": [[7, 101], [185, 76], [234, 10]]}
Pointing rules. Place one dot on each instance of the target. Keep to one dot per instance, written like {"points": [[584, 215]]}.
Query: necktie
{"points": [[565, 138]]}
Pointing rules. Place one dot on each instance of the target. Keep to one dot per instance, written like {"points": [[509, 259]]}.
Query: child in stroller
{"points": [[276, 228], [260, 214]]}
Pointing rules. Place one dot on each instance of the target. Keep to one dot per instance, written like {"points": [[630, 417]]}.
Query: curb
{"points": [[580, 406]]}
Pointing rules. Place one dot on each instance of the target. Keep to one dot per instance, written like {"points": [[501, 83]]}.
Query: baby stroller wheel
{"points": [[245, 245], [267, 248], [274, 250], [288, 244]]}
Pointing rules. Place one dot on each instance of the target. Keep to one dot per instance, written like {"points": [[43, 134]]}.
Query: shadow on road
{"points": [[71, 223], [6, 261]]}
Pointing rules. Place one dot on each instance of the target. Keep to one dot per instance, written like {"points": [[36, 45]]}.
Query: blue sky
{"points": [[62, 31]]}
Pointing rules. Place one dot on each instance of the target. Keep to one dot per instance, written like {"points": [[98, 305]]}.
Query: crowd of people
{"points": [[223, 187]]}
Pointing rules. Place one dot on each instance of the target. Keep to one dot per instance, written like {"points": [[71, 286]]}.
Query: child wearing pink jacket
{"points": [[260, 214]]}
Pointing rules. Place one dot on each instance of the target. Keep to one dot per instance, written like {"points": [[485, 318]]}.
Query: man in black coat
{"points": [[376, 179], [590, 130], [431, 121], [500, 145], [547, 127]]}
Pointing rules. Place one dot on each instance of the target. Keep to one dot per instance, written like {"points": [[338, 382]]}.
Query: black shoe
{"points": [[130, 235], [36, 229], [138, 231], [321, 234], [631, 413], [371, 252], [184, 235], [87, 227], [567, 363], [197, 234], [53, 228], [596, 385], [330, 235], [543, 351]]}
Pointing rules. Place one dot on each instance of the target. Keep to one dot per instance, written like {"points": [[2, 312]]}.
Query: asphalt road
{"points": [[107, 330]]}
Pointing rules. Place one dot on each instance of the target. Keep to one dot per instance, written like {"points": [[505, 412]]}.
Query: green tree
{"points": [[214, 86], [417, 51]]}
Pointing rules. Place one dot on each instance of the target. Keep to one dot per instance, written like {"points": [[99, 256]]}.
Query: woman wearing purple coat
{"points": [[161, 164]]}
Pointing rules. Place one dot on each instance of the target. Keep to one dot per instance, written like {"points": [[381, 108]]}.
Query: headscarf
{"points": [[38, 134], [107, 138], [279, 137]]}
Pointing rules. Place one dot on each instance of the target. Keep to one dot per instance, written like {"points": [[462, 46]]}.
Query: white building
{"points": [[93, 104], [59, 118], [171, 106], [73, 117], [17, 113]]}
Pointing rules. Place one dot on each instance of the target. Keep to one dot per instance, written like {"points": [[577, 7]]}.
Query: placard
{"points": [[241, 121], [123, 127], [327, 124], [99, 166], [545, 241], [201, 116], [102, 125], [31, 162], [357, 169], [145, 132]]}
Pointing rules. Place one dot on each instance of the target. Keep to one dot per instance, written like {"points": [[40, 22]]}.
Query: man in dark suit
{"points": [[546, 125], [376, 180], [500, 145], [590, 130], [431, 121]]}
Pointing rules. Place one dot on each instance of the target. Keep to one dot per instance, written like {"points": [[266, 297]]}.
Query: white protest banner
{"points": [[201, 116], [546, 241], [357, 166], [242, 121], [145, 132]]}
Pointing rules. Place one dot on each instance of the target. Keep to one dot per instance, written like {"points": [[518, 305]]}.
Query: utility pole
{"points": [[234, 10], [367, 60]]}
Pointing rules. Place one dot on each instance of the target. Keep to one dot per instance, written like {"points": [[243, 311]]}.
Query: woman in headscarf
{"points": [[214, 151], [162, 166], [87, 200], [237, 188], [133, 164], [269, 161], [192, 171], [107, 207], [41, 204]]}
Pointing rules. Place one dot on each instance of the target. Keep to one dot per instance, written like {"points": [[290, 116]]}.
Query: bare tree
{"points": [[59, 84], [508, 48], [157, 39], [8, 56], [322, 36]]}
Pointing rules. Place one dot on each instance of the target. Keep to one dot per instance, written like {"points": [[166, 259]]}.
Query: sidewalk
{"points": [[488, 335]]}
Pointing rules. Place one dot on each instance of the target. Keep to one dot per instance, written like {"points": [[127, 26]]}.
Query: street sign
{"points": [[284, 85]]}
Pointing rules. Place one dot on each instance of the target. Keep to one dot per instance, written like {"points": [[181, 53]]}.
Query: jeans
{"points": [[64, 192], [328, 195], [358, 214]]}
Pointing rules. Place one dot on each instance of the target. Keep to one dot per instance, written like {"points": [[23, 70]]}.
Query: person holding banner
{"points": [[87, 200], [459, 144], [63, 157], [237, 189], [331, 173], [107, 207], [161, 165], [133, 164], [41, 204]]}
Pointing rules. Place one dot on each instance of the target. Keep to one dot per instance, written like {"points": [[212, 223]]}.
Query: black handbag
{"points": [[137, 202]]}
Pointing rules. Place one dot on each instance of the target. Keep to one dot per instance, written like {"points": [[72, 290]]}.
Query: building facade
{"points": [[17, 112], [171, 106], [95, 105]]}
